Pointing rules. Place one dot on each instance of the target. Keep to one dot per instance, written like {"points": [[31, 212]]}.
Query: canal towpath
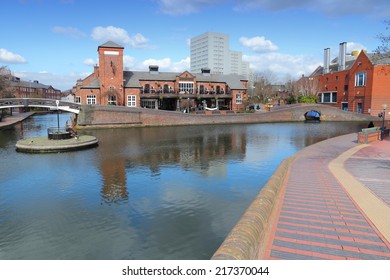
{"points": [[329, 201], [335, 203]]}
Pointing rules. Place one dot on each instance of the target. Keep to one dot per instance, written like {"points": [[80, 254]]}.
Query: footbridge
{"points": [[52, 104]]}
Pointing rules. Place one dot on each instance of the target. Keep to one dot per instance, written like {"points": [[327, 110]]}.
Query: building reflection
{"points": [[114, 181], [202, 151]]}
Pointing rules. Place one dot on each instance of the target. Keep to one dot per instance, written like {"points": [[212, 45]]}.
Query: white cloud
{"points": [[70, 31], [166, 64], [89, 62], [258, 43], [282, 65], [58, 81], [120, 36], [353, 46], [129, 62], [10, 57]]}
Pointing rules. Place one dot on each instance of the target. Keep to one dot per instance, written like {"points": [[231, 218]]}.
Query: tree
{"points": [[262, 90], [384, 48], [6, 90]]}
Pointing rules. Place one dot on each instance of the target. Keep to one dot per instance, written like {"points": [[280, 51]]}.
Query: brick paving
{"points": [[318, 218]]}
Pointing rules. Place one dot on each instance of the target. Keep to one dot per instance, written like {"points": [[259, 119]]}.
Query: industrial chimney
{"points": [[342, 55], [326, 60]]}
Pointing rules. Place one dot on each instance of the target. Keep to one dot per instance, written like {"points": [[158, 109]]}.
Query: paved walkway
{"points": [[335, 203], [15, 118]]}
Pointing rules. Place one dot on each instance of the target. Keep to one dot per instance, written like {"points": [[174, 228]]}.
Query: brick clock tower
{"points": [[111, 73]]}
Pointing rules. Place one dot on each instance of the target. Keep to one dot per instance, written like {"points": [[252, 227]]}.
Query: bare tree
{"points": [[6, 90], [262, 90], [384, 48]]}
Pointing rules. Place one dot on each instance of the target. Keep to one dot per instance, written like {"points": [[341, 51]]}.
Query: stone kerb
{"points": [[246, 241]]}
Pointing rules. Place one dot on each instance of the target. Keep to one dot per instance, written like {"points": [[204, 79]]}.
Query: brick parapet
{"points": [[100, 115]]}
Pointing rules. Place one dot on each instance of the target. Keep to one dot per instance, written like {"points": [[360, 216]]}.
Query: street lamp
{"points": [[383, 115]]}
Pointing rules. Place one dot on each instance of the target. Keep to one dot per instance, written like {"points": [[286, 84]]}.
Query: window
{"points": [[147, 88], [239, 98], [77, 99], [151, 104], [360, 79], [131, 101], [186, 87], [166, 88], [91, 99], [329, 97], [112, 100]]}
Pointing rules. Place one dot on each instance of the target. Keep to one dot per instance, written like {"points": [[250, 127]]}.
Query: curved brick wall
{"points": [[245, 241]]}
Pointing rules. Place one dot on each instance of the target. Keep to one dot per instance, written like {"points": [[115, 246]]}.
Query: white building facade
{"points": [[211, 50]]}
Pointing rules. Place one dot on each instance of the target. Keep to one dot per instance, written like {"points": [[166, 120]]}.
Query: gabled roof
{"points": [[111, 44]]}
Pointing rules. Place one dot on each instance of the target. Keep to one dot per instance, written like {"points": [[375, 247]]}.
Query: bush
{"points": [[291, 100], [307, 99]]}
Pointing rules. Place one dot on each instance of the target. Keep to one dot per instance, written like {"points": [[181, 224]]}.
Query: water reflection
{"points": [[144, 193]]}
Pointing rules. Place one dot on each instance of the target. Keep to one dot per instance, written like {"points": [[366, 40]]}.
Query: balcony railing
{"points": [[181, 93]]}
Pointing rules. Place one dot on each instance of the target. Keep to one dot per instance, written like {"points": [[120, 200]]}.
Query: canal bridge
{"points": [[51, 104]]}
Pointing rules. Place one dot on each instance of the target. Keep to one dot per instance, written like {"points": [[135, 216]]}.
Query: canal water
{"points": [[143, 193]]}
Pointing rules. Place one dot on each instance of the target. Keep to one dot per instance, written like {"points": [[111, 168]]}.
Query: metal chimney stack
{"points": [[342, 54], [326, 60]]}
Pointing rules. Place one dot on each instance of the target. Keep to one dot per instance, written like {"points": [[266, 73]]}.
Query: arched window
{"points": [[166, 88]]}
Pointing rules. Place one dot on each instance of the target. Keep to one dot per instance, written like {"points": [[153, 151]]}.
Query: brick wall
{"points": [[98, 115]]}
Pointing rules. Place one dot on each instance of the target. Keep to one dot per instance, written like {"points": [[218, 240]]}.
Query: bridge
{"points": [[51, 104]]}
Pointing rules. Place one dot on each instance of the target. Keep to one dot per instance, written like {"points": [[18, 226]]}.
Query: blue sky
{"points": [[55, 41]]}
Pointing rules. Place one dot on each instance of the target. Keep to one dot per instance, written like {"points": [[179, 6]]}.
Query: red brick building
{"points": [[32, 89], [109, 84], [357, 82]]}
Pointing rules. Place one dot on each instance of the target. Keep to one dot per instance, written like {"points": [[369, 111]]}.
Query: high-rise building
{"points": [[211, 50]]}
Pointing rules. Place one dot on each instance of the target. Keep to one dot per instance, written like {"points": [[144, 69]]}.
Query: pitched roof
{"points": [[30, 84], [133, 78], [379, 59], [334, 66], [111, 44]]}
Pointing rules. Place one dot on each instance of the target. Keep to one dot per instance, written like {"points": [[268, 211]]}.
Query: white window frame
{"points": [[91, 99], [132, 101], [239, 98], [360, 79], [77, 99], [186, 87], [332, 97]]}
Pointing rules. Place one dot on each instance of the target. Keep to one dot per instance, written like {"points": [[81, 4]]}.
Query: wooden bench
{"points": [[368, 135]]}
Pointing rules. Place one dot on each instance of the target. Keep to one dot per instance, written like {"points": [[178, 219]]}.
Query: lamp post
{"points": [[383, 114], [58, 116]]}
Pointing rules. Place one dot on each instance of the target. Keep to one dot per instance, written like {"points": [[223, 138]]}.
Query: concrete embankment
{"points": [[103, 116]]}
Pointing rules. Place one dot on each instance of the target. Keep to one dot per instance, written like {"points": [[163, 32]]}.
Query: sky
{"points": [[55, 41]]}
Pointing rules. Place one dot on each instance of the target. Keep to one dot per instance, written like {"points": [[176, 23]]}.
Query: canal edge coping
{"points": [[247, 239]]}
